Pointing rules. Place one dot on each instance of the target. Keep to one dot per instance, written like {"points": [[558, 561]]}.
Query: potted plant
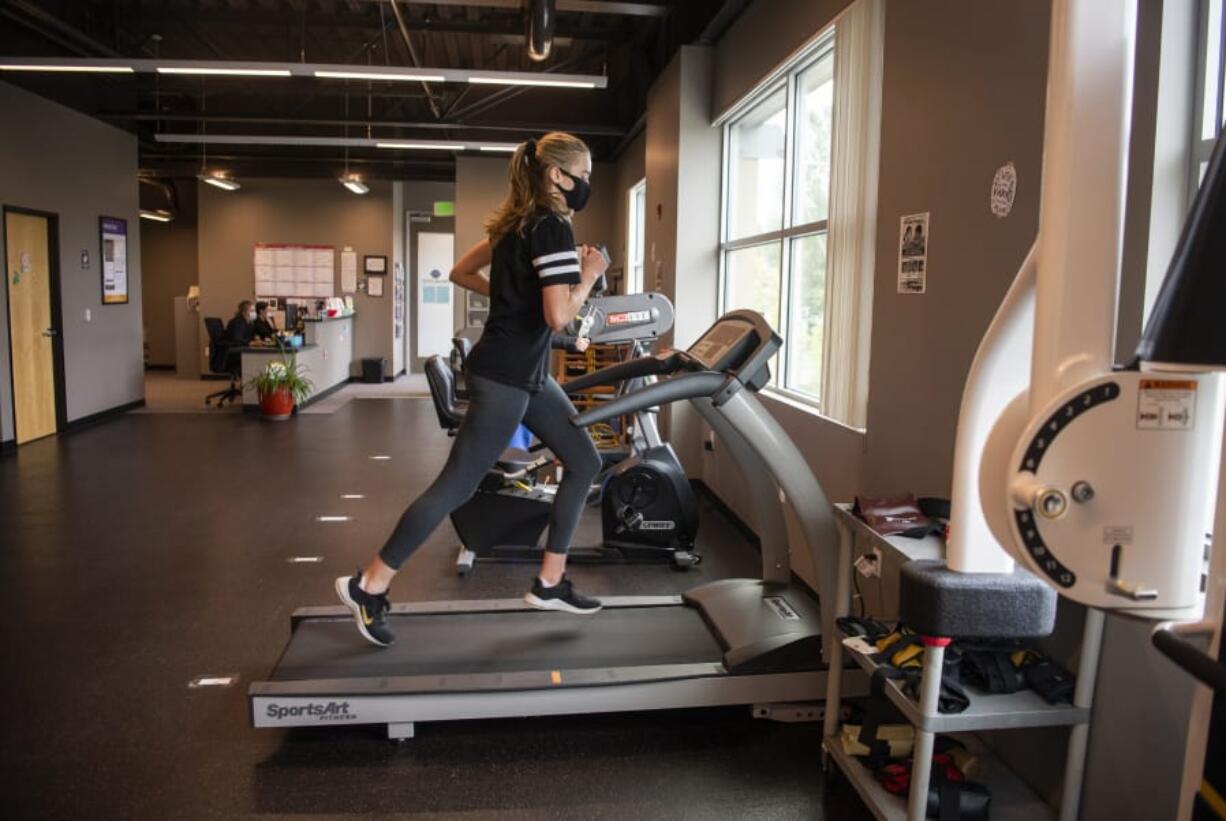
{"points": [[280, 386]]}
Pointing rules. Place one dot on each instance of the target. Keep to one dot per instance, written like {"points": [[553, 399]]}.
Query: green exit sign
{"points": [[444, 208]]}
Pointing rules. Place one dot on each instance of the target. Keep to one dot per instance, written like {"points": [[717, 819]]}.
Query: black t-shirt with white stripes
{"points": [[514, 348]]}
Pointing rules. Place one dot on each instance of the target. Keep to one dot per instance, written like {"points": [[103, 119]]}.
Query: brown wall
{"points": [[481, 185], [958, 102], [317, 212], [762, 38], [631, 167], [169, 253]]}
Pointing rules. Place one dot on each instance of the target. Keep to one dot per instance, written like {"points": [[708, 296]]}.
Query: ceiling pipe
{"points": [[541, 19], [404, 34]]}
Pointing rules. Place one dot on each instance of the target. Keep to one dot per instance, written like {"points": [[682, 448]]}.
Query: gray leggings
{"points": [[494, 412]]}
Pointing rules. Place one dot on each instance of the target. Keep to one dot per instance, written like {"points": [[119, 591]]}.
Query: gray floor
{"points": [[167, 393], [146, 551]]}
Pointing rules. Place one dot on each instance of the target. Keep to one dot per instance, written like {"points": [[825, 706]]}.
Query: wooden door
{"points": [[32, 331]]}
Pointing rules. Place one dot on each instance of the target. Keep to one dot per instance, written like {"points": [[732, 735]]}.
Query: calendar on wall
{"points": [[294, 270]]}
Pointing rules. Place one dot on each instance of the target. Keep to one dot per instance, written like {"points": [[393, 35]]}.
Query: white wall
{"points": [[54, 159]]}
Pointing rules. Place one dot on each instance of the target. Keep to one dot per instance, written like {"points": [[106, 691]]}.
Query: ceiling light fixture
{"points": [[156, 216], [507, 148], [325, 71], [380, 75], [85, 68], [219, 181], [227, 72], [437, 146], [530, 81], [354, 183]]}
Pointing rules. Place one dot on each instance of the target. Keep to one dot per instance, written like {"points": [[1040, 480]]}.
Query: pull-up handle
{"points": [[686, 386], [642, 366]]}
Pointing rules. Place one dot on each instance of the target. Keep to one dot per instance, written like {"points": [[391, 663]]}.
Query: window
{"points": [[636, 227], [1210, 88], [797, 227]]}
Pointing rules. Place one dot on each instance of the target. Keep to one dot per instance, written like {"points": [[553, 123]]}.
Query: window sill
{"points": [[792, 401]]}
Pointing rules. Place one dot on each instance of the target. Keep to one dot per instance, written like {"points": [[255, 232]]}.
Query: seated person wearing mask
{"points": [[265, 325], [240, 332]]}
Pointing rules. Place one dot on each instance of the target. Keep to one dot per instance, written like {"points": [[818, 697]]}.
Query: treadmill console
{"points": [[740, 343]]}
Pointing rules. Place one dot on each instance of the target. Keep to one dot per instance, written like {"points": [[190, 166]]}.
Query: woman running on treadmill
{"points": [[538, 282]]}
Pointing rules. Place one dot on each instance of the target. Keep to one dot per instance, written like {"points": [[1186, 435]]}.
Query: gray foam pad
{"points": [[937, 601]]}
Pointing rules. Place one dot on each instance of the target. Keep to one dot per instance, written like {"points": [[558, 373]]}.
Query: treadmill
{"points": [[755, 642]]}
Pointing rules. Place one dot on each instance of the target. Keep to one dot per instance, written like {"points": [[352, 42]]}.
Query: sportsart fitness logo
{"points": [[332, 711]]}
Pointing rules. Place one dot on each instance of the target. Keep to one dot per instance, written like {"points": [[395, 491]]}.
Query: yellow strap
{"points": [[1213, 798]]}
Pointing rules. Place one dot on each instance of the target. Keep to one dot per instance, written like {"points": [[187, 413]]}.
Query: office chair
{"points": [[221, 363]]}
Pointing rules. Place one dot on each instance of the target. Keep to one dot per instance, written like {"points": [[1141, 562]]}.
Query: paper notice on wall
{"points": [[349, 271], [913, 254], [114, 260]]}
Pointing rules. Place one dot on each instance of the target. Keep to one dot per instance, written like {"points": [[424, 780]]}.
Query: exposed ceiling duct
{"points": [[542, 19]]}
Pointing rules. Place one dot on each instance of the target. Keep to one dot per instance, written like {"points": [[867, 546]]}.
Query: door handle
{"points": [[51, 332]]}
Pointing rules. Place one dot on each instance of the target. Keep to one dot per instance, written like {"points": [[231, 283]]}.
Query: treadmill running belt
{"points": [[500, 642]]}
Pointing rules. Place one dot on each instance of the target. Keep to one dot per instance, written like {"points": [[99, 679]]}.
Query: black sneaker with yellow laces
{"points": [[369, 610]]}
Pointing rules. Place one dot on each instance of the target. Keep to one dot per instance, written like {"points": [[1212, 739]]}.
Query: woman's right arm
{"points": [[467, 270]]}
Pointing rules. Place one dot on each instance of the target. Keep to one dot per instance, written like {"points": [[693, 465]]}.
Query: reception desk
{"points": [[327, 354]]}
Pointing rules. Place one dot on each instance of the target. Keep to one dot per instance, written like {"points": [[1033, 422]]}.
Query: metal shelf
{"points": [[1012, 800], [987, 711]]}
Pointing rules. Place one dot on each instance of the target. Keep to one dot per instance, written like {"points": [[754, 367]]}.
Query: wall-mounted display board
{"points": [[294, 270]]}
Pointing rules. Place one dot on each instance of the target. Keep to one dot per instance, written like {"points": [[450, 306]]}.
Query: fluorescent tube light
{"points": [[380, 75], [84, 68], [429, 146], [229, 72], [156, 216], [516, 81], [507, 148]]}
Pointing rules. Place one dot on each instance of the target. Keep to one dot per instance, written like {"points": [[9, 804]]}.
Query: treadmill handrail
{"points": [[686, 386], [622, 371]]}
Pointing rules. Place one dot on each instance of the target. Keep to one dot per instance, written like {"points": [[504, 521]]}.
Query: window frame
{"points": [[822, 48], [1202, 147], [636, 226]]}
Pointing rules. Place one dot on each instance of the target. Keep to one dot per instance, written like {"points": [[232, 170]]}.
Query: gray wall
{"points": [[54, 159], [168, 253], [316, 212]]}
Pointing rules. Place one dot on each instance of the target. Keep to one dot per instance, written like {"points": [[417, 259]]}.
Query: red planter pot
{"points": [[278, 405]]}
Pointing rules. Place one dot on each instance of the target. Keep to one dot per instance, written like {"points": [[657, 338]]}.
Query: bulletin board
{"points": [[295, 270]]}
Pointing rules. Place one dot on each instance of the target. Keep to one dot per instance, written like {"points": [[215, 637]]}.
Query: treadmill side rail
{"points": [[400, 708]]}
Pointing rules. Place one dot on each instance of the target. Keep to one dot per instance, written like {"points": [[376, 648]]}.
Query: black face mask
{"points": [[576, 197]]}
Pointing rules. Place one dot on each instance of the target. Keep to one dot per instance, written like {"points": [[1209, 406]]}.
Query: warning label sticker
{"points": [[1166, 404]]}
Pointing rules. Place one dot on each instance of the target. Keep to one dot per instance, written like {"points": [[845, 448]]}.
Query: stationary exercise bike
{"points": [[648, 509]]}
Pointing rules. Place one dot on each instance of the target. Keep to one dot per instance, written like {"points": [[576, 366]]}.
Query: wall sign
{"points": [[435, 319], [114, 233], [913, 254], [1004, 189]]}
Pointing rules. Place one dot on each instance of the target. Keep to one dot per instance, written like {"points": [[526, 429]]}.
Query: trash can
{"points": [[372, 370]]}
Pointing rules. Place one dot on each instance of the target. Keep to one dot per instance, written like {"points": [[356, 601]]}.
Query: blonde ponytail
{"points": [[530, 189]]}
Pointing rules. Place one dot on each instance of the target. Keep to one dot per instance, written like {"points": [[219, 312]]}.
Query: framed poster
{"points": [[114, 241], [374, 265]]}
